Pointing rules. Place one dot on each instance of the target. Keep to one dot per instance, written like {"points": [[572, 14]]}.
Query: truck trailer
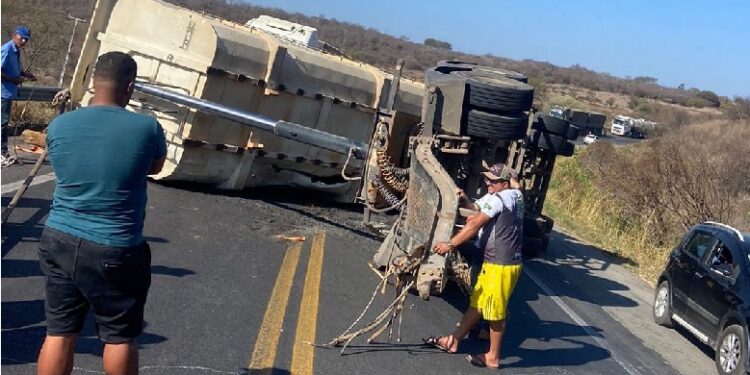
{"points": [[244, 106]]}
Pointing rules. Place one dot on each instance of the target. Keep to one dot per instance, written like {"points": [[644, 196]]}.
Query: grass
{"points": [[577, 205]]}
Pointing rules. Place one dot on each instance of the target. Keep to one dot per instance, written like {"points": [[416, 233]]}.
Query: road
{"points": [[227, 294]]}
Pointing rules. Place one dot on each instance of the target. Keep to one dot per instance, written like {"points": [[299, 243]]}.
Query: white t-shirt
{"points": [[493, 204]]}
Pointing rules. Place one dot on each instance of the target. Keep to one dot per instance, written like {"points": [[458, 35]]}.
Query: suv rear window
{"points": [[699, 244]]}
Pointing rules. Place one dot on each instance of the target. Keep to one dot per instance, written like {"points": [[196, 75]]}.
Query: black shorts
{"points": [[114, 281]]}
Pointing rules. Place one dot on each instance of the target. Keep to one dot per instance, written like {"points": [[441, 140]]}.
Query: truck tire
{"points": [[447, 66], [536, 226], [496, 92], [556, 126], [548, 141], [533, 246], [567, 150], [549, 223], [532, 227], [491, 70], [573, 133], [494, 126]]}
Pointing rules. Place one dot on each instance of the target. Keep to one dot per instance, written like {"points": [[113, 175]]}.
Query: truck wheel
{"points": [[548, 141], [567, 150], [549, 223], [573, 132], [490, 71], [489, 125], [556, 126], [535, 226], [447, 66], [552, 125], [731, 351], [497, 92], [531, 228], [532, 246], [663, 305]]}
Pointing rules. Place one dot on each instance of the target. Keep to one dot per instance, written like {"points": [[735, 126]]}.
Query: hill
{"points": [[641, 96]]}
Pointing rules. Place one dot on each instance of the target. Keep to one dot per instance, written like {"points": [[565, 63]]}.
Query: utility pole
{"points": [[70, 46]]}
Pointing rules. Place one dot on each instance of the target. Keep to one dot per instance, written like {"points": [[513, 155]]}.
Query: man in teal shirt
{"points": [[92, 251]]}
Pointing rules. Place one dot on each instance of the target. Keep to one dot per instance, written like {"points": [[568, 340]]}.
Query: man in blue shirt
{"points": [[92, 251], [12, 76]]}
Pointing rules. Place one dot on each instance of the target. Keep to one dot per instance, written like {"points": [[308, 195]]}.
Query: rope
{"points": [[346, 164]]}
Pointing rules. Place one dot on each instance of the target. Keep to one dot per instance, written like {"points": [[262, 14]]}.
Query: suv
{"points": [[705, 288]]}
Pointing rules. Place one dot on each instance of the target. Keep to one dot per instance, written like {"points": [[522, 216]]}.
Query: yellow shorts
{"points": [[494, 287]]}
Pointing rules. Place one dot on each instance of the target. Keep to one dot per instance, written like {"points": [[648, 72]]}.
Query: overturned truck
{"points": [[244, 106]]}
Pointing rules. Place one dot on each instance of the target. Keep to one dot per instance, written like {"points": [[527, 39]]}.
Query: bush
{"points": [[638, 201]]}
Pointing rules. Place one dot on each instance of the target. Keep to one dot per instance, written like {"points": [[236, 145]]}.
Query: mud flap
{"points": [[430, 217]]}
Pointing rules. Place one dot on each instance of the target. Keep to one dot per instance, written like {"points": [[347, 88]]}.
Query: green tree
{"points": [[437, 44]]}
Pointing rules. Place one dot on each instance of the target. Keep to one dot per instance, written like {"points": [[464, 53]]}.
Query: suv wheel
{"points": [[731, 353], [662, 308]]}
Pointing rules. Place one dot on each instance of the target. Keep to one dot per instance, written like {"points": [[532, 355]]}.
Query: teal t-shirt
{"points": [[101, 156]]}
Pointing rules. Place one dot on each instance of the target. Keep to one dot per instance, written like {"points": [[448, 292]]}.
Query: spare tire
{"points": [[549, 223], [495, 126], [547, 141], [532, 246], [556, 126], [534, 226], [567, 150], [495, 92], [447, 66], [507, 73]]}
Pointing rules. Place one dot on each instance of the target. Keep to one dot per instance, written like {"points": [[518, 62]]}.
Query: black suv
{"points": [[706, 289]]}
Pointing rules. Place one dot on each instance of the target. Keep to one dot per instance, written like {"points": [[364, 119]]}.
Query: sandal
{"points": [[478, 361], [434, 341]]}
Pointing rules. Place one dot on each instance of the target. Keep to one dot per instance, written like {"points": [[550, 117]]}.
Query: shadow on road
{"points": [[23, 334], [13, 268], [533, 342], [27, 231]]}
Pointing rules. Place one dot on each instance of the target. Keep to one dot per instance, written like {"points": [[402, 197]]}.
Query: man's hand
{"points": [[462, 195], [442, 248], [29, 75]]}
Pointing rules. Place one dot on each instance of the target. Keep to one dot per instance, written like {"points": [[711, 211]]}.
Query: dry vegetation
{"points": [[51, 29], [639, 200]]}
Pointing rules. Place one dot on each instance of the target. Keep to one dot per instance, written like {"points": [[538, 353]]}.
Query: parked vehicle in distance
{"points": [[590, 138], [705, 287], [631, 127]]}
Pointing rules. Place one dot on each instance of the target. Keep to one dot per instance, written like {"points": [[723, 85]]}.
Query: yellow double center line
{"points": [[264, 352]]}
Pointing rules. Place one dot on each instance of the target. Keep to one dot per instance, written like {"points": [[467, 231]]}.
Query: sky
{"points": [[702, 44]]}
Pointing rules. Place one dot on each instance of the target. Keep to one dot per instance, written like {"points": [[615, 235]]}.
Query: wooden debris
{"points": [[35, 138], [289, 238]]}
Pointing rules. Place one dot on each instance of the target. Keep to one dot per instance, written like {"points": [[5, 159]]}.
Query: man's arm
{"points": [[473, 224], [161, 150], [28, 75]]}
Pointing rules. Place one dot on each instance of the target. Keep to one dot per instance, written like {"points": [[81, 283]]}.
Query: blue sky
{"points": [[703, 44]]}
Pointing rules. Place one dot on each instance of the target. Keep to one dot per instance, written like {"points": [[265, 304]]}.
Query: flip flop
{"points": [[434, 341], [477, 361]]}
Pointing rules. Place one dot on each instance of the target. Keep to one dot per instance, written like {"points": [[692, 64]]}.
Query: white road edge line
{"points": [[582, 323], [40, 179]]}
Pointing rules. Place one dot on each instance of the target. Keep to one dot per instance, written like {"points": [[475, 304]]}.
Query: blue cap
{"points": [[23, 32]]}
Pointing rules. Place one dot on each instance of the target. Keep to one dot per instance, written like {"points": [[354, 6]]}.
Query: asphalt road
{"points": [[227, 294]]}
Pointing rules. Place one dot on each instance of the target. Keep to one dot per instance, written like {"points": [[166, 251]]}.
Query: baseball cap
{"points": [[500, 171], [23, 32]]}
